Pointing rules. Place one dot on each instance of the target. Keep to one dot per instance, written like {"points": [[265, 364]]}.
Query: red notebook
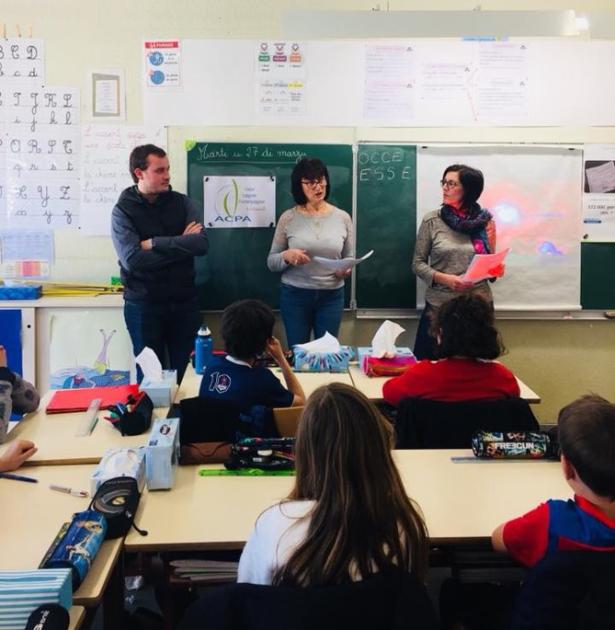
{"points": [[66, 400]]}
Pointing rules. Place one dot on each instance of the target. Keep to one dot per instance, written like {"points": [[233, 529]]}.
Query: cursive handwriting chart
{"points": [[42, 147]]}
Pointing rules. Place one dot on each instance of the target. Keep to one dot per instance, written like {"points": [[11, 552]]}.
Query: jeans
{"points": [[425, 346], [168, 329], [307, 310]]}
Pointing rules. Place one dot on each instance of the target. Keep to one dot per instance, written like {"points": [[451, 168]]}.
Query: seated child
{"points": [[586, 431], [247, 330], [348, 516], [468, 343], [15, 395]]}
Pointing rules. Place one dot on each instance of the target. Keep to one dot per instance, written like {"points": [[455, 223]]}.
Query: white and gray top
{"points": [[328, 235], [440, 248]]}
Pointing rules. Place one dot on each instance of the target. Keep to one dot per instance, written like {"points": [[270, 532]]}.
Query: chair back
{"points": [[423, 423], [287, 419], [392, 601], [568, 590]]}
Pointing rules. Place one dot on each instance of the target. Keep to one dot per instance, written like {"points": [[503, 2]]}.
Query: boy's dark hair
{"points": [[246, 327], [138, 158], [586, 431], [310, 169], [471, 179], [466, 326]]}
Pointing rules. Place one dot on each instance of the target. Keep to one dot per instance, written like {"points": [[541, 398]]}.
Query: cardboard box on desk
{"points": [[162, 454], [161, 392]]}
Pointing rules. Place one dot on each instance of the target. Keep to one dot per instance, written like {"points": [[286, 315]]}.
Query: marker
{"points": [[5, 475], [73, 493]]}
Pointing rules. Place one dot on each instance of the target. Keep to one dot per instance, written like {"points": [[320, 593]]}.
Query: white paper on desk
{"points": [[383, 343], [482, 264], [326, 343], [341, 264], [150, 365]]}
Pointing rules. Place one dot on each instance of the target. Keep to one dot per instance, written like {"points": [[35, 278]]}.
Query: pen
{"points": [[73, 493], [244, 472], [5, 475]]}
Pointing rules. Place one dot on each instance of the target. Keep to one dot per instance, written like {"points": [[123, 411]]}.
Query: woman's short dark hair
{"points": [[138, 158], [246, 326], [310, 169], [586, 432], [466, 327], [471, 179]]}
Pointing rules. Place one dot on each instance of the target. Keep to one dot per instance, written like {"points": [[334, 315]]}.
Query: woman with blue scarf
{"points": [[445, 245]]}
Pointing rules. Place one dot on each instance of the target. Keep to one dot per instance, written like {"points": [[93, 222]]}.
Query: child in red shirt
{"points": [[586, 431], [468, 343]]}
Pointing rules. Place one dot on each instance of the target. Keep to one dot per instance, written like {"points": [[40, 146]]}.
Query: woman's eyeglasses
{"points": [[449, 183], [313, 183]]}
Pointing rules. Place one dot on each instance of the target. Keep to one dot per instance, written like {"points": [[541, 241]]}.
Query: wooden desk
{"points": [[372, 386], [462, 502], [33, 515], [54, 435], [77, 616], [191, 382]]}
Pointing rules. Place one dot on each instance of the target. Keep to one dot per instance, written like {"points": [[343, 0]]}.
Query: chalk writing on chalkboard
{"points": [[42, 156]]}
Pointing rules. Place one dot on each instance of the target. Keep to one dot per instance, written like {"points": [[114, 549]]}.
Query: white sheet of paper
{"points": [[481, 264], [341, 264]]}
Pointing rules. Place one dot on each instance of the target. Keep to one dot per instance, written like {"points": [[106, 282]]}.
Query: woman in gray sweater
{"points": [[311, 295], [446, 242]]}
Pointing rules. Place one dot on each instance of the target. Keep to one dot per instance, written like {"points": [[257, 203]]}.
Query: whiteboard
{"points": [[534, 194]]}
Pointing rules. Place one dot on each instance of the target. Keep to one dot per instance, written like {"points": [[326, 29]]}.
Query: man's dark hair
{"points": [[472, 181], [466, 326], [310, 169], [139, 155], [246, 327], [586, 431]]}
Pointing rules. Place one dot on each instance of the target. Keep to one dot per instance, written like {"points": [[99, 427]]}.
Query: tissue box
{"points": [[120, 462], [322, 361], [394, 366], [24, 591], [161, 392], [162, 454]]}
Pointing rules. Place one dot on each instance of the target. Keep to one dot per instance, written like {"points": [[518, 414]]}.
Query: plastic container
{"points": [[203, 349]]}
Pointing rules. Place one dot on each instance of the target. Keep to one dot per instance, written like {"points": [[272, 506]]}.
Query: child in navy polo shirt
{"points": [[247, 330], [586, 431]]}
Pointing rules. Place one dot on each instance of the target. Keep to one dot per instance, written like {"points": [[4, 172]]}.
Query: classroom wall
{"points": [[558, 359]]}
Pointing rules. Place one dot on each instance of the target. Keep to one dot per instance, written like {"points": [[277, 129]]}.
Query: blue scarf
{"points": [[472, 221]]}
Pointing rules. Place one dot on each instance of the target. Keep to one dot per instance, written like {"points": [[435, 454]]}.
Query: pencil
{"points": [[5, 475]]}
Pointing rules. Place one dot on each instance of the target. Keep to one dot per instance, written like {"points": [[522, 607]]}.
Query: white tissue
{"points": [[326, 343], [150, 365], [383, 343]]}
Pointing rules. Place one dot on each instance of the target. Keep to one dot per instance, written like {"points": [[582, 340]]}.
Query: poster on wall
{"points": [[104, 169], [599, 192], [26, 254], [162, 64], [534, 196], [239, 201], [42, 157], [103, 356], [280, 78]]}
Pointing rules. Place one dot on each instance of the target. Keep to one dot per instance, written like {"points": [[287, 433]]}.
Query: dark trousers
{"points": [[425, 346], [168, 329], [304, 310]]}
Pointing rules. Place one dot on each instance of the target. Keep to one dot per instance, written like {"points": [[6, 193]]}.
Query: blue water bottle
{"points": [[203, 349]]}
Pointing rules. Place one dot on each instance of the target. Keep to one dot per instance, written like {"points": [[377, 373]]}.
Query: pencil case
{"points": [[513, 444], [77, 548], [306, 361]]}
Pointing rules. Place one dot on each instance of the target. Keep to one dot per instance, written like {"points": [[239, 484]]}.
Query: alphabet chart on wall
{"points": [[42, 156]]}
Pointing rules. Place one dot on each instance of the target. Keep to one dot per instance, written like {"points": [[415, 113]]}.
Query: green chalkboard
{"points": [[597, 285], [236, 266], [386, 223]]}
